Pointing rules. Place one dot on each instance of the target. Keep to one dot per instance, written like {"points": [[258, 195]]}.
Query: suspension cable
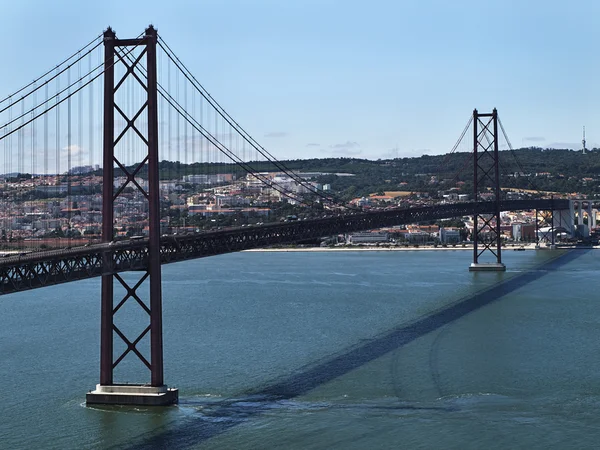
{"points": [[217, 144], [57, 97], [66, 89], [54, 68], [190, 77], [221, 147], [446, 159], [513, 153]]}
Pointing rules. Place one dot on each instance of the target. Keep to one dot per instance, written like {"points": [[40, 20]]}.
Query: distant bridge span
{"points": [[19, 273]]}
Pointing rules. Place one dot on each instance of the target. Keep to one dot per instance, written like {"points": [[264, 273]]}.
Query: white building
{"points": [[449, 236], [367, 238], [215, 178]]}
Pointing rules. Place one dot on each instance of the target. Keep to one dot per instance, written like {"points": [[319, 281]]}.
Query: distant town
{"points": [[51, 208]]}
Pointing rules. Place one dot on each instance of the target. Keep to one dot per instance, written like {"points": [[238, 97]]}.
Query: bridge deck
{"points": [[34, 270]]}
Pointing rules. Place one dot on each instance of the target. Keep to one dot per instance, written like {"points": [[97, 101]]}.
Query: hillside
{"points": [[529, 168]]}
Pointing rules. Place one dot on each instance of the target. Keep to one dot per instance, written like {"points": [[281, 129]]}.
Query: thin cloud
{"points": [[534, 139], [345, 145], [276, 134], [313, 144], [348, 148]]}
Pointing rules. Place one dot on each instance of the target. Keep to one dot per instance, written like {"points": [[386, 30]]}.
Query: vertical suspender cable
{"points": [[57, 183], [79, 150], [178, 139], [170, 123], [90, 175], [21, 138], [69, 148], [7, 150], [33, 169], [10, 169], [45, 184]]}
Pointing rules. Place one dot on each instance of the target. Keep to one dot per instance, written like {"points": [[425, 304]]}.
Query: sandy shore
{"points": [[383, 249]]}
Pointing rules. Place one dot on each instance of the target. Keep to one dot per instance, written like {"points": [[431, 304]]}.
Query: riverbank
{"points": [[385, 249]]}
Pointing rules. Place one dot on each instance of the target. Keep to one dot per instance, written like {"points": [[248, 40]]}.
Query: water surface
{"points": [[323, 350]]}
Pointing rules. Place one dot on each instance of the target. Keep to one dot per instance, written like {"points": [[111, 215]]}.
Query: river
{"points": [[348, 350]]}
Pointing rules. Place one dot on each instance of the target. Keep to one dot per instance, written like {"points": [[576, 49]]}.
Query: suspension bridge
{"points": [[83, 193]]}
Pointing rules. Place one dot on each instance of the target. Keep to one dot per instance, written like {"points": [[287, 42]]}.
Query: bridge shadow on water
{"points": [[220, 416]]}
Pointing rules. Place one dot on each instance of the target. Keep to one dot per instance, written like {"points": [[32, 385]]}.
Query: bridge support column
{"points": [[564, 220], [588, 227], [109, 392], [486, 180], [537, 230]]}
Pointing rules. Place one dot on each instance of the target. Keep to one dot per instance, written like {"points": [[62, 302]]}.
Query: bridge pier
{"points": [[156, 393], [487, 267], [583, 230], [570, 220], [132, 394]]}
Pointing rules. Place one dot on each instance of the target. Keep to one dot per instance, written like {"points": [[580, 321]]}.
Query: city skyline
{"points": [[328, 79]]}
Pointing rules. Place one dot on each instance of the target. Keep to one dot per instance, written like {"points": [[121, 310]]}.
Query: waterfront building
{"points": [[523, 231], [416, 236], [368, 238], [449, 235]]}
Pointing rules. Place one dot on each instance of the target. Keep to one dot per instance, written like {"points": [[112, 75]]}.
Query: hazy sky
{"points": [[372, 79]]}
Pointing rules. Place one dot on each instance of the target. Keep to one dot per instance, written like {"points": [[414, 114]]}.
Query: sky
{"points": [[332, 78]]}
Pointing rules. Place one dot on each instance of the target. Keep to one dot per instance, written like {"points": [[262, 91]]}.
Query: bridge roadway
{"points": [[44, 268]]}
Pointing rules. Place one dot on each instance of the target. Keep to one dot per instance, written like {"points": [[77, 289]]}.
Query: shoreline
{"points": [[385, 249]]}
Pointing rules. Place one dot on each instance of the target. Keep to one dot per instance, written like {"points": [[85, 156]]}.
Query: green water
{"points": [[323, 350]]}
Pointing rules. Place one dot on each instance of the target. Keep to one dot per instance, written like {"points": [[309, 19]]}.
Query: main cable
{"points": [[221, 147], [513, 153], [57, 96], [66, 89], [217, 144], [190, 77], [224, 150], [54, 68]]}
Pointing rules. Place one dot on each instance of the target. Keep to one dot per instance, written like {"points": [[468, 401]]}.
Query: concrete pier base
{"points": [[487, 267], [132, 394]]}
